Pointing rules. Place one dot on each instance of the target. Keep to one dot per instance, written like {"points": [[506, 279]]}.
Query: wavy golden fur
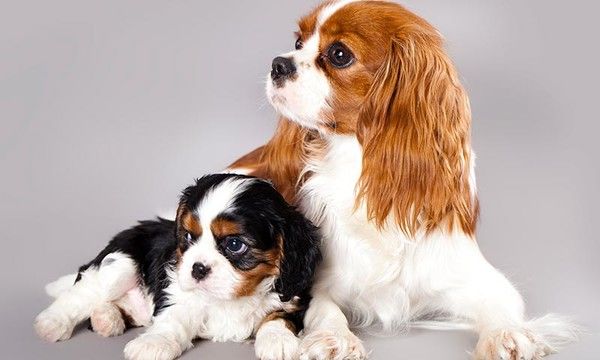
{"points": [[413, 124], [415, 130]]}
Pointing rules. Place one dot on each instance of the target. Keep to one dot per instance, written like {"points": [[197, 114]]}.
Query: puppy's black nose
{"points": [[282, 68], [199, 271]]}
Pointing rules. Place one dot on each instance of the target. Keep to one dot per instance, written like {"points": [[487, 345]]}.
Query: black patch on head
{"points": [[264, 216], [192, 195], [267, 216], [247, 235]]}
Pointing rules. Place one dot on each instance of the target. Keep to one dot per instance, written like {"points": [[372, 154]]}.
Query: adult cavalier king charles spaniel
{"points": [[374, 147]]}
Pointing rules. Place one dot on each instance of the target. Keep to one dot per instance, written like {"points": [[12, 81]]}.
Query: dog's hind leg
{"points": [[98, 286], [107, 320]]}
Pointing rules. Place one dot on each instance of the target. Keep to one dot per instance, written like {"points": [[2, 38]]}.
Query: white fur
{"points": [[380, 277], [274, 341], [195, 314], [303, 99], [55, 288], [331, 9], [107, 320], [97, 287], [238, 171]]}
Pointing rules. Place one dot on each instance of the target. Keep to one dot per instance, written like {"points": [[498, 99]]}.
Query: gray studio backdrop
{"points": [[109, 108]]}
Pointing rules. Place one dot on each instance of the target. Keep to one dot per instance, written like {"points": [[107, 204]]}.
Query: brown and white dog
{"points": [[374, 146]]}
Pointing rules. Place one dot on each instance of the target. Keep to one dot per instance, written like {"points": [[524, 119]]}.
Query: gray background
{"points": [[109, 108]]}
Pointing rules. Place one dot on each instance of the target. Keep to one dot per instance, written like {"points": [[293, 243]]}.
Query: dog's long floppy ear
{"points": [[415, 131], [301, 256]]}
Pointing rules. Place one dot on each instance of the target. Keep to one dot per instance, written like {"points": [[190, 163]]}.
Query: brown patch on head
{"points": [[178, 255], [366, 29], [222, 227], [188, 222], [269, 265], [308, 23], [404, 101], [191, 224]]}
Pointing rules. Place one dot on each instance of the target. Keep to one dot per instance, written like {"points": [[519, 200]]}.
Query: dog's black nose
{"points": [[282, 68], [199, 271]]}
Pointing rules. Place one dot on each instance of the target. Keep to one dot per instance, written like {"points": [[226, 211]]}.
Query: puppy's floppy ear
{"points": [[301, 255], [415, 131]]}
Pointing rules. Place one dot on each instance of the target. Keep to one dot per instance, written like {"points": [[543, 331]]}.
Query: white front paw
{"points": [[52, 327], [275, 342], [152, 347], [508, 344], [331, 345]]}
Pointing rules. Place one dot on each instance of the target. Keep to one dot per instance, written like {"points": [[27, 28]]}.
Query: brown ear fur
{"points": [[281, 159], [415, 131]]}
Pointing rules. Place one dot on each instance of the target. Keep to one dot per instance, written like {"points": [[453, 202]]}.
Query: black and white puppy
{"points": [[237, 262]]}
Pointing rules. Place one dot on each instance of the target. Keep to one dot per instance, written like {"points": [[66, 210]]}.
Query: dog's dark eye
{"points": [[235, 246], [340, 56], [299, 44], [188, 237]]}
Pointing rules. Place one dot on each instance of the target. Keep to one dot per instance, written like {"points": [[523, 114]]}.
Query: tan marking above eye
{"points": [[222, 227], [191, 224]]}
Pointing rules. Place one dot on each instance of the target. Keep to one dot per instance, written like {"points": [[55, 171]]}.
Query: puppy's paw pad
{"points": [[330, 345], [276, 345], [513, 344], [52, 327], [152, 347], [107, 320]]}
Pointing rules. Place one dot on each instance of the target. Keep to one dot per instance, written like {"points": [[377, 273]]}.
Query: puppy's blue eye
{"points": [[235, 246], [189, 237]]}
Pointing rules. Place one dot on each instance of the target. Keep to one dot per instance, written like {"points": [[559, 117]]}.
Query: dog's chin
{"points": [[286, 103]]}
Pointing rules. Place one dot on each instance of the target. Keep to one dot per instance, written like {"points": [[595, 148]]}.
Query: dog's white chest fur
{"points": [[359, 259], [224, 320]]}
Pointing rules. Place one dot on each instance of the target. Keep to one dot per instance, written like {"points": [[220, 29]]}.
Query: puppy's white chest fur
{"points": [[225, 320], [359, 259]]}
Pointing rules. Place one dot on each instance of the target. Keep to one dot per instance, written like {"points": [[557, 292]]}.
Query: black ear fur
{"points": [[301, 255]]}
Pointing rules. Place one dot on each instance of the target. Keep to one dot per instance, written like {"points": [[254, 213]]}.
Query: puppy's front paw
{"points": [[274, 341], [152, 347], [107, 320], [331, 345], [52, 327], [508, 344]]}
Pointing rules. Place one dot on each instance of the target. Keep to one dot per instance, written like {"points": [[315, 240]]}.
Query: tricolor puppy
{"points": [[237, 262]]}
